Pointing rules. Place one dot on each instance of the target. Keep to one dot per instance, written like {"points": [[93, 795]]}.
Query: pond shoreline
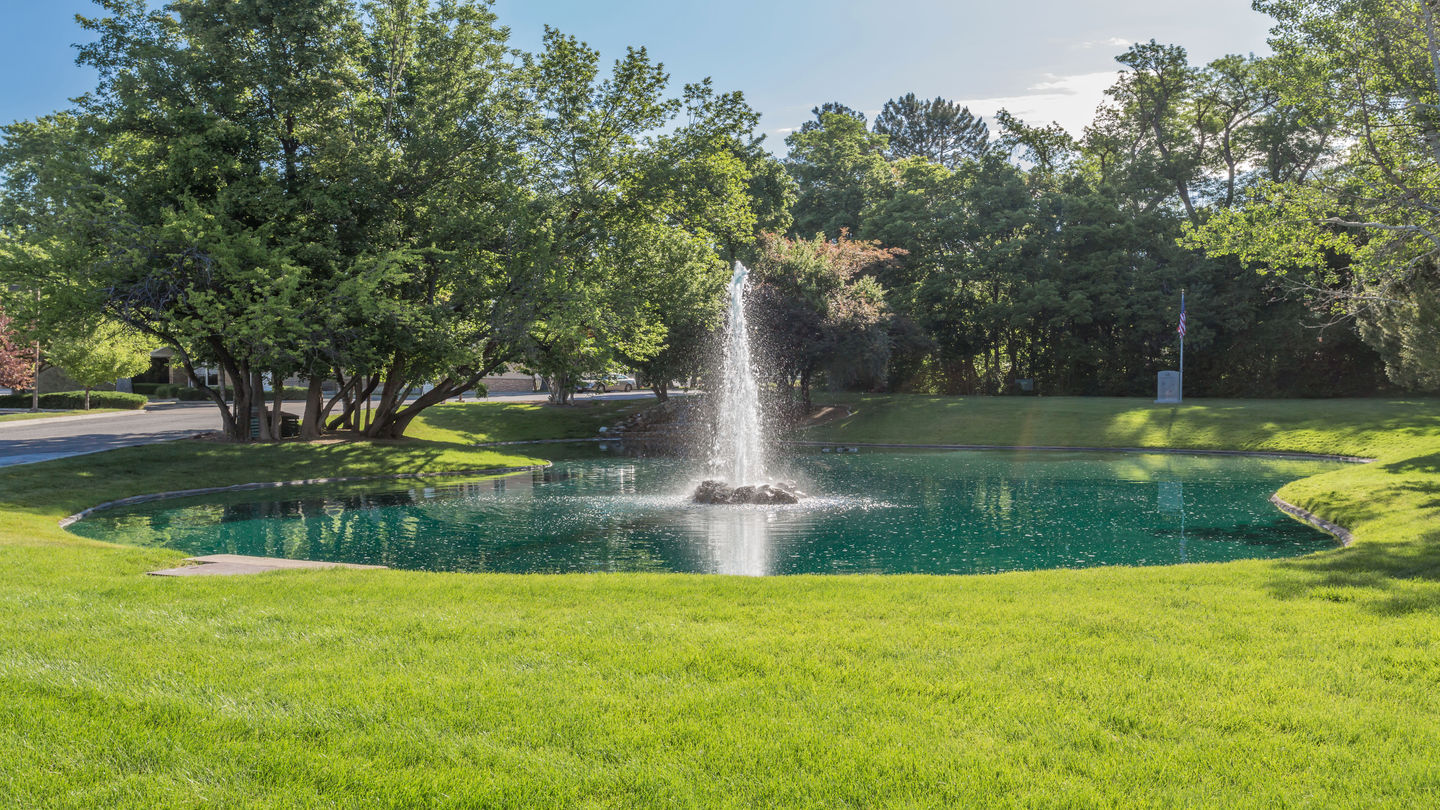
{"points": [[133, 500]]}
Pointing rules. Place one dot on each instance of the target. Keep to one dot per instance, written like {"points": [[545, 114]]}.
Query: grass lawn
{"points": [[17, 417], [1310, 682]]}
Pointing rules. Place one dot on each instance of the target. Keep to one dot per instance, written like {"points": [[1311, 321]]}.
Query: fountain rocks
{"points": [[718, 492]]}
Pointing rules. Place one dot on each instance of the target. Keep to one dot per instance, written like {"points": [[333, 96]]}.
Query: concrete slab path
{"points": [[240, 564]]}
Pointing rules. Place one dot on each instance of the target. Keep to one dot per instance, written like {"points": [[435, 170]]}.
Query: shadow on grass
{"points": [[521, 421], [1384, 571], [1381, 577]]}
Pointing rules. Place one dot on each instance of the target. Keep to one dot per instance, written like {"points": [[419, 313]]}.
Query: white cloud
{"points": [[1112, 42], [1067, 100]]}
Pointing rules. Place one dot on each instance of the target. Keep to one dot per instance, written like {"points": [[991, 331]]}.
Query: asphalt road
{"points": [[31, 440]]}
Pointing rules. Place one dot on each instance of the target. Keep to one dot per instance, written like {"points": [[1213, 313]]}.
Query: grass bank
{"points": [[1301, 682]]}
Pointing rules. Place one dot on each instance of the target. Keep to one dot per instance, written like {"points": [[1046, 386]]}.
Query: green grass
{"points": [[18, 417], [1362, 427], [520, 421], [1310, 682]]}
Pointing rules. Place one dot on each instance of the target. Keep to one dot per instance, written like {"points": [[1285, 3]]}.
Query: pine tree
{"points": [[938, 130]]}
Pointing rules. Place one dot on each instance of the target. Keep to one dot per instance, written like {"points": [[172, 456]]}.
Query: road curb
{"points": [[78, 417]]}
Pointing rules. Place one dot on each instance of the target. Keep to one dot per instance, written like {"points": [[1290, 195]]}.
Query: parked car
{"points": [[604, 385]]}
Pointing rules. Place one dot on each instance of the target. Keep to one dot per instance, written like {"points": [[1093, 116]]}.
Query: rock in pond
{"points": [[718, 492]]}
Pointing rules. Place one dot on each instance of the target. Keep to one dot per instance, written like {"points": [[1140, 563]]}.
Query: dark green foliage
{"points": [[1058, 260], [830, 108], [840, 170], [70, 400], [938, 130]]}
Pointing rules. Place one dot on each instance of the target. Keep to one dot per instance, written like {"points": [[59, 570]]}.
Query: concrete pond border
{"points": [[1344, 535]]}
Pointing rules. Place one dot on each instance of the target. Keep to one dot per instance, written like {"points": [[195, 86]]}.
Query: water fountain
{"points": [[739, 450]]}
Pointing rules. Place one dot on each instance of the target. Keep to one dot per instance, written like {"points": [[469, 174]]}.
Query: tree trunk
{"points": [[314, 402], [561, 389], [87, 397], [394, 424], [662, 390], [277, 414], [257, 406], [35, 393]]}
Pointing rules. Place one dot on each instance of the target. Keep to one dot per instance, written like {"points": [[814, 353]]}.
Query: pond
{"points": [[960, 512]]}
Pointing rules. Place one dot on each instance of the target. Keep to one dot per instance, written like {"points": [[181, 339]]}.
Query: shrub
{"points": [[185, 394], [70, 400]]}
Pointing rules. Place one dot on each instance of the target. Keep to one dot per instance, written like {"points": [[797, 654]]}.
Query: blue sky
{"points": [[1041, 59]]}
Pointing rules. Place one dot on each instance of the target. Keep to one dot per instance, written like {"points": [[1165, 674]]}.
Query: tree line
{"points": [[391, 196]]}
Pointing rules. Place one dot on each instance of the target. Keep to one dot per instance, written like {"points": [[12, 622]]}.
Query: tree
{"points": [[102, 355], [830, 108], [1050, 149], [384, 195], [1356, 229], [839, 170], [17, 363], [938, 130], [821, 311]]}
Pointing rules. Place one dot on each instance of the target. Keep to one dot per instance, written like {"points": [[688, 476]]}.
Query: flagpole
{"points": [[1182, 347]]}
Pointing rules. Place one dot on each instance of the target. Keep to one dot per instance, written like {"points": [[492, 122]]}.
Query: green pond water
{"points": [[873, 512]]}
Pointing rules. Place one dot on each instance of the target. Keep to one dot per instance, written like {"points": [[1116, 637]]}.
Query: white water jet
{"points": [[739, 450]]}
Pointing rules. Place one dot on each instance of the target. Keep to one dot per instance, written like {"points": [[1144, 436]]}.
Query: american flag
{"points": [[1181, 330]]}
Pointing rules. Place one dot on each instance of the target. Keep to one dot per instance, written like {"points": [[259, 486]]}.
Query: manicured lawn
{"points": [[521, 421], [16, 417], [1363, 427], [1312, 682]]}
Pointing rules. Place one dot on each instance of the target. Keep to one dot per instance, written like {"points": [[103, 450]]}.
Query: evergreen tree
{"points": [[938, 130]]}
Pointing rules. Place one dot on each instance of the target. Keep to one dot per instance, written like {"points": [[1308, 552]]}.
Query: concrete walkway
{"points": [[239, 564]]}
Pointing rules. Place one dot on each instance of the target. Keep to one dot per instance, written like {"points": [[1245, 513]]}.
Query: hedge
{"points": [[70, 400], [185, 394]]}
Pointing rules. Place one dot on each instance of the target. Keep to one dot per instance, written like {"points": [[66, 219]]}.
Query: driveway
{"points": [[28, 441]]}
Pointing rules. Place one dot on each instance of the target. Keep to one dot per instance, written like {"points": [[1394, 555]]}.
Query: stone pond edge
{"points": [[1344, 535]]}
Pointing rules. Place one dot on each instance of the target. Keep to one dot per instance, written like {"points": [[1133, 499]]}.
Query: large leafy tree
{"points": [[1357, 230], [385, 195], [190, 197], [937, 129], [839, 170]]}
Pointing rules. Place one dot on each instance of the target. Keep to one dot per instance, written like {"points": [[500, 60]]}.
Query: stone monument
{"points": [[1167, 388]]}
